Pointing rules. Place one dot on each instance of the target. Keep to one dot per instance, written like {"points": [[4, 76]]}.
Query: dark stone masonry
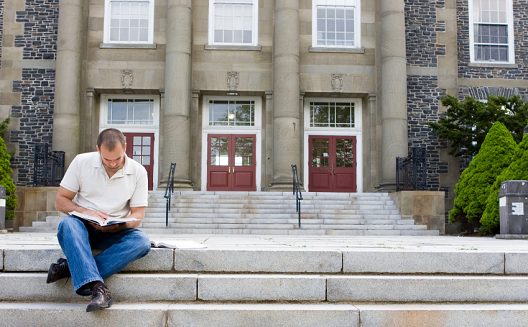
{"points": [[37, 86], [421, 29], [1, 29], [423, 96], [40, 20], [36, 118]]}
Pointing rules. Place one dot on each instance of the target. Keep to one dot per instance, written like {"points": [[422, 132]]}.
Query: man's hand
{"points": [[114, 228], [98, 214]]}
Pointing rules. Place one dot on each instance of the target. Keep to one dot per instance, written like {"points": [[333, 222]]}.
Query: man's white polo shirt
{"points": [[87, 177]]}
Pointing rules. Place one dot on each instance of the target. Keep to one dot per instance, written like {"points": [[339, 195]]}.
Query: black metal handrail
{"points": [[297, 191], [169, 190], [48, 168], [414, 170]]}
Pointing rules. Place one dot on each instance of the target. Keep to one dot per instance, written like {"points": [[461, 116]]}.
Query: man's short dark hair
{"points": [[110, 138]]}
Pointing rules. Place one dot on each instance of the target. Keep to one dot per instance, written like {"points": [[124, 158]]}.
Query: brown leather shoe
{"points": [[101, 297], [58, 271]]}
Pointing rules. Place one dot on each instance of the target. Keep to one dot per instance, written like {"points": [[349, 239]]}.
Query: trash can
{"points": [[513, 203], [2, 207]]}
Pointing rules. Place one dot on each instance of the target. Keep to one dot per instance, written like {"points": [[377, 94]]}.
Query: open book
{"points": [[99, 221], [176, 244]]}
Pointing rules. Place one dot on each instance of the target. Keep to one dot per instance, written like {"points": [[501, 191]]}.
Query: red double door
{"points": [[332, 165], [140, 147], [231, 162]]}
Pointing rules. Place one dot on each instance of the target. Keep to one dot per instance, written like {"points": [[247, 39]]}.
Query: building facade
{"points": [[236, 91]]}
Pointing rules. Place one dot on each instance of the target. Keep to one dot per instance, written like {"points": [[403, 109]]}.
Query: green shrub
{"points": [[517, 170], [6, 181], [473, 186]]}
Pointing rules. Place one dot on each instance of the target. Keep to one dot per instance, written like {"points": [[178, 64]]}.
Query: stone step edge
{"points": [[294, 315]]}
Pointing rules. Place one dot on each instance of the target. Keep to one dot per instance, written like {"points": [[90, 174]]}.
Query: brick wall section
{"points": [[520, 44], [423, 96], [421, 29], [40, 18]]}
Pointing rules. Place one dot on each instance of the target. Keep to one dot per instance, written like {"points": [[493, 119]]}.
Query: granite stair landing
{"points": [[278, 287], [270, 213]]}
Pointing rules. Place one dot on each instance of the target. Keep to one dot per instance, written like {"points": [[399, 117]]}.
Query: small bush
{"points": [[473, 187], [6, 181], [517, 170]]}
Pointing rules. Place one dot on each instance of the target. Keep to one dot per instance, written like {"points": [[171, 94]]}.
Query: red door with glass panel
{"points": [[332, 165], [231, 162], [140, 147]]}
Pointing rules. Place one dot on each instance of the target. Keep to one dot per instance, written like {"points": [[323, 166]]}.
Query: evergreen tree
{"points": [[517, 170], [472, 189], [6, 181]]}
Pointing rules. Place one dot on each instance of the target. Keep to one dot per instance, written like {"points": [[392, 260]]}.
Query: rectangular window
{"points": [[336, 23], [233, 22], [332, 114], [130, 111], [129, 21], [491, 35], [231, 113]]}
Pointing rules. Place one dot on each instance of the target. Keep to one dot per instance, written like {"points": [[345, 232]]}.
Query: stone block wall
{"points": [[40, 20], [423, 96], [421, 27], [34, 85], [424, 207], [1, 28]]}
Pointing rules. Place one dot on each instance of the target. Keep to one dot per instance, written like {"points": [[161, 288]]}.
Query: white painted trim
{"points": [[254, 23], [511, 36], [356, 131], [106, 29], [154, 128], [257, 130], [357, 26]]}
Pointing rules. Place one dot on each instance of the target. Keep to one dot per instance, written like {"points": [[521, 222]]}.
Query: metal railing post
{"points": [[297, 192], [169, 190]]}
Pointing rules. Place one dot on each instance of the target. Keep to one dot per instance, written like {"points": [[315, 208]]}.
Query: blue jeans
{"points": [[77, 238]]}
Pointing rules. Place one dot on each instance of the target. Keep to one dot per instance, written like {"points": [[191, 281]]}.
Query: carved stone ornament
{"points": [[127, 79], [232, 81], [337, 82]]}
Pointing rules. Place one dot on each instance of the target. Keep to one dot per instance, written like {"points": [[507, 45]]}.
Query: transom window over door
{"points": [[129, 21], [332, 114], [491, 35], [233, 22], [231, 113], [131, 111], [336, 23]]}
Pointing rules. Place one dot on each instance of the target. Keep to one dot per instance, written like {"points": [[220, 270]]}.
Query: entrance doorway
{"points": [[231, 162], [332, 164], [140, 147]]}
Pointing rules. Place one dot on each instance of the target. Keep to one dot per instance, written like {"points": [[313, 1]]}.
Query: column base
{"points": [[387, 186]]}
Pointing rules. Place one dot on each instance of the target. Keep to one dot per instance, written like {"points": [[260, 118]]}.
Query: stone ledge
{"points": [[335, 50], [492, 65], [127, 46], [233, 47]]}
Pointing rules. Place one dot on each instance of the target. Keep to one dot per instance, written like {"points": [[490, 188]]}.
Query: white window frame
{"points": [[511, 43], [357, 24], [254, 25], [256, 129], [129, 128], [107, 16], [356, 131]]}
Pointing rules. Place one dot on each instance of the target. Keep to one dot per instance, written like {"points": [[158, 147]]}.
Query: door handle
{"points": [[233, 170], [229, 170]]}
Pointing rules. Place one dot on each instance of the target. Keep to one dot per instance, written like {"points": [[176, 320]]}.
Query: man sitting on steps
{"points": [[103, 184]]}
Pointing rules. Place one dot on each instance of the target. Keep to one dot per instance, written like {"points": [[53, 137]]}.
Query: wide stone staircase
{"points": [[277, 287], [270, 213]]}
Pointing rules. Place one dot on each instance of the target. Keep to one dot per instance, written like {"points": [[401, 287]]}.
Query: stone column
{"points": [[176, 116], [393, 89], [286, 122], [66, 116]]}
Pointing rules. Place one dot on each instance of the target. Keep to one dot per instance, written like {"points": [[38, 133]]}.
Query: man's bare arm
{"points": [[64, 204]]}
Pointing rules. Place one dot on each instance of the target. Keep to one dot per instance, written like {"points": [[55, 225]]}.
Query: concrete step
{"points": [[350, 232], [276, 287], [389, 261]]}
